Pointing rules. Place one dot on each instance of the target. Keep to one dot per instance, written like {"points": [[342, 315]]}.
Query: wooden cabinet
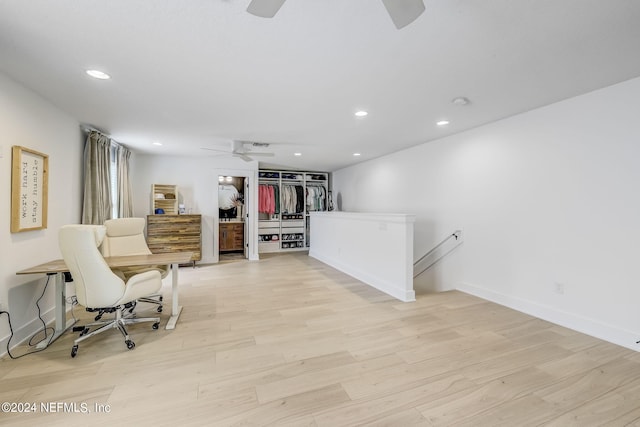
{"points": [[231, 236], [165, 197], [175, 233]]}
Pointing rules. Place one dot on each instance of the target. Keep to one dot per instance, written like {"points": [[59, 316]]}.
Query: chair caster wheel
{"points": [[155, 325], [74, 351], [160, 298], [130, 344], [159, 310], [84, 331]]}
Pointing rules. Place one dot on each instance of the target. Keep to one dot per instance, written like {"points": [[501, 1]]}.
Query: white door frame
{"points": [[251, 222]]}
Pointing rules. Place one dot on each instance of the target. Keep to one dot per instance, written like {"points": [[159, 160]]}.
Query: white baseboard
{"points": [[573, 321], [384, 286]]}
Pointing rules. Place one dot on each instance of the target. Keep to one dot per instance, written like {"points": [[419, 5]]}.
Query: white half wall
{"points": [[375, 248], [28, 120], [548, 201]]}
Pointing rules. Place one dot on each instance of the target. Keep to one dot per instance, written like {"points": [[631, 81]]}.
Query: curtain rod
{"points": [[88, 128]]}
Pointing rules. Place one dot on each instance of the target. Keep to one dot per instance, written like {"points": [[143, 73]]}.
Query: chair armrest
{"points": [[141, 285]]}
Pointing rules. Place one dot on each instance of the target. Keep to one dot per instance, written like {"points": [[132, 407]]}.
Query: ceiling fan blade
{"points": [[242, 156], [403, 12], [252, 154], [265, 8], [214, 149]]}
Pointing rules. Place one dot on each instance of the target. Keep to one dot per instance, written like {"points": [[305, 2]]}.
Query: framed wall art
{"points": [[29, 189]]}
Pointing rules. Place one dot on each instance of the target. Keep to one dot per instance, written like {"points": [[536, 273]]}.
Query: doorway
{"points": [[232, 209]]}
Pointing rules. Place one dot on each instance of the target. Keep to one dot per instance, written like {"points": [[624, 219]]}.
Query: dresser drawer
{"points": [[175, 233]]}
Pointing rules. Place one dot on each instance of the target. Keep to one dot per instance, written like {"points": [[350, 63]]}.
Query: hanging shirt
{"points": [[227, 196]]}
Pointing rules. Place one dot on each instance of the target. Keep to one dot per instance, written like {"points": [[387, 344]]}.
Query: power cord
{"points": [[73, 301], [44, 330]]}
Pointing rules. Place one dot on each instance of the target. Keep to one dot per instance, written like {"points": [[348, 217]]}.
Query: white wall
{"points": [[374, 248], [544, 198], [197, 181], [30, 121]]}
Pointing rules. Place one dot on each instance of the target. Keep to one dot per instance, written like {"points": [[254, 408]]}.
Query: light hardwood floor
{"points": [[289, 341]]}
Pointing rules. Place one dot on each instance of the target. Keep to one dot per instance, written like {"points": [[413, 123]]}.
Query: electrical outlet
{"points": [[559, 288]]}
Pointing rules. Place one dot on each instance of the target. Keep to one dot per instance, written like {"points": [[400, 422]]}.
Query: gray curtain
{"points": [[125, 202], [96, 207]]}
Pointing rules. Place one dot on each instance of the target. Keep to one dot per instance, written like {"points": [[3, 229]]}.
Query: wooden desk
{"points": [[58, 268]]}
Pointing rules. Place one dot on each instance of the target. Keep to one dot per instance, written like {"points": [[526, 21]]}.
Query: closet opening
{"points": [[232, 209]]}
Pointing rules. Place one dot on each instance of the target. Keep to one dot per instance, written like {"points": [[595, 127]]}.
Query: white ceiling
{"points": [[201, 73]]}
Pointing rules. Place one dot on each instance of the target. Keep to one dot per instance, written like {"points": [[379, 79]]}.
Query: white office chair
{"points": [[125, 236], [97, 287]]}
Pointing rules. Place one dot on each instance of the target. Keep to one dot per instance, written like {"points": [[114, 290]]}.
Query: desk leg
{"points": [[175, 308], [60, 311]]}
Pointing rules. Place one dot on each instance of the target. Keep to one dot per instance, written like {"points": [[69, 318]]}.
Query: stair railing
{"points": [[455, 235]]}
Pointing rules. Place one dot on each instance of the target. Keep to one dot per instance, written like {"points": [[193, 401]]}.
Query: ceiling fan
{"points": [[243, 150], [402, 12]]}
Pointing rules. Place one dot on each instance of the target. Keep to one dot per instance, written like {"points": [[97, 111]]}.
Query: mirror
{"points": [[230, 197]]}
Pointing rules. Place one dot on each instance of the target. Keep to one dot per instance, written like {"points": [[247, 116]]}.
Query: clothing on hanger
{"points": [[227, 196]]}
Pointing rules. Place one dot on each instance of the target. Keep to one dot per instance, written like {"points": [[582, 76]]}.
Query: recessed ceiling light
{"points": [[297, 154], [157, 143], [442, 122], [361, 113], [461, 100], [356, 154], [97, 74]]}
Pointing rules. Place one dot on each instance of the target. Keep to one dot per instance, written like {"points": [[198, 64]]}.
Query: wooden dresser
{"points": [[231, 236], [175, 233]]}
